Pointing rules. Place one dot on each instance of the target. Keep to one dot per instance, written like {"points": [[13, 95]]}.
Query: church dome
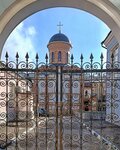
{"points": [[59, 37]]}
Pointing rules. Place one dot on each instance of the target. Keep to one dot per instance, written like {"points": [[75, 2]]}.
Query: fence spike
{"points": [[46, 57], [37, 57], [72, 57], [27, 56], [6, 55], [112, 56], [81, 57], [17, 56], [101, 57], [91, 56]]}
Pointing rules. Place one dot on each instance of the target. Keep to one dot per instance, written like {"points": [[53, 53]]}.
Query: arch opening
{"points": [[77, 31]]}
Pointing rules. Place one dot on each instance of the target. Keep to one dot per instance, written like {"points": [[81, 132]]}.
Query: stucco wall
{"points": [[4, 4]]}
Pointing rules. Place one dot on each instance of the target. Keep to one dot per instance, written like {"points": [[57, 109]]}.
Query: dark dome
{"points": [[59, 37]]}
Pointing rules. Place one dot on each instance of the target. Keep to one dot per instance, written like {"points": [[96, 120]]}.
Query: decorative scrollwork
{"points": [[11, 65], [11, 136], [96, 65], [50, 84], [22, 115], [22, 65], [42, 84], [75, 84], [3, 95], [31, 65], [2, 103], [115, 117], [116, 65], [11, 95], [22, 144], [22, 136], [11, 104], [30, 136], [2, 136], [108, 65], [22, 103], [81, 102], [67, 85], [115, 105], [76, 96], [2, 83]]}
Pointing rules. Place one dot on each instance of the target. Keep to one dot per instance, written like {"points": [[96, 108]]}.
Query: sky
{"points": [[85, 32]]}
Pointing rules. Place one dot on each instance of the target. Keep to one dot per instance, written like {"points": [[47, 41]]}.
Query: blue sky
{"points": [[85, 31]]}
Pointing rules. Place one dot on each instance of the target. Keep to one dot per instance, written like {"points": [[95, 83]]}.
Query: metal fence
{"points": [[81, 103]]}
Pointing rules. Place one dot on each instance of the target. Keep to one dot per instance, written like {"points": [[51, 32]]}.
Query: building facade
{"points": [[16, 99], [62, 85], [113, 79]]}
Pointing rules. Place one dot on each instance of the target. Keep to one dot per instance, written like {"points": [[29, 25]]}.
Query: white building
{"points": [[113, 79], [16, 99]]}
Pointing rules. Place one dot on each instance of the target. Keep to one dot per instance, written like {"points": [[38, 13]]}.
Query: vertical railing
{"points": [[81, 102], [61, 108], [7, 115], [16, 109], [112, 98], [46, 99], [71, 105], [59, 123], [101, 101], [27, 57], [56, 115], [91, 96], [35, 102]]}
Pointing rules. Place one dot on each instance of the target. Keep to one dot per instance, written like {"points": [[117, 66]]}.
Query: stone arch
{"points": [[20, 10]]}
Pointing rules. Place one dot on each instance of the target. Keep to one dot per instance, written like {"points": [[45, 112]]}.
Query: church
{"points": [[60, 84]]}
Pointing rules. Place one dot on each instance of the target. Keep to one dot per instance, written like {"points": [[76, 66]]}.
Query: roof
{"points": [[59, 37]]}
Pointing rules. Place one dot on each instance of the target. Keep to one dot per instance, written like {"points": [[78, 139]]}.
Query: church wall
{"points": [[56, 47], [71, 91]]}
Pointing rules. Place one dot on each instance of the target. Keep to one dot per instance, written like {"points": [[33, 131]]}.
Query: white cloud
{"points": [[31, 31], [21, 41]]}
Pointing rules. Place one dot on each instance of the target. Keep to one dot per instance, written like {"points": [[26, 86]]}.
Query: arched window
{"points": [[68, 57], [52, 56], [59, 56]]}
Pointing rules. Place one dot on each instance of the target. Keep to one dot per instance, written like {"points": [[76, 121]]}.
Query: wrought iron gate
{"points": [[59, 107]]}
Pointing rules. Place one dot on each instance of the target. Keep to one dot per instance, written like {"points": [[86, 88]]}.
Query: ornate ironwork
{"points": [[81, 103]]}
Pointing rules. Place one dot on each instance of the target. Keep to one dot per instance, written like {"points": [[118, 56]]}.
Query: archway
{"points": [[21, 10]]}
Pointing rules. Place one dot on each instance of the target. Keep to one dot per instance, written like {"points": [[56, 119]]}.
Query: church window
{"points": [[68, 57], [59, 56], [52, 56]]}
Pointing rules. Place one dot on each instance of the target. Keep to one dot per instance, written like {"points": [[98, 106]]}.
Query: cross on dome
{"points": [[60, 25]]}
